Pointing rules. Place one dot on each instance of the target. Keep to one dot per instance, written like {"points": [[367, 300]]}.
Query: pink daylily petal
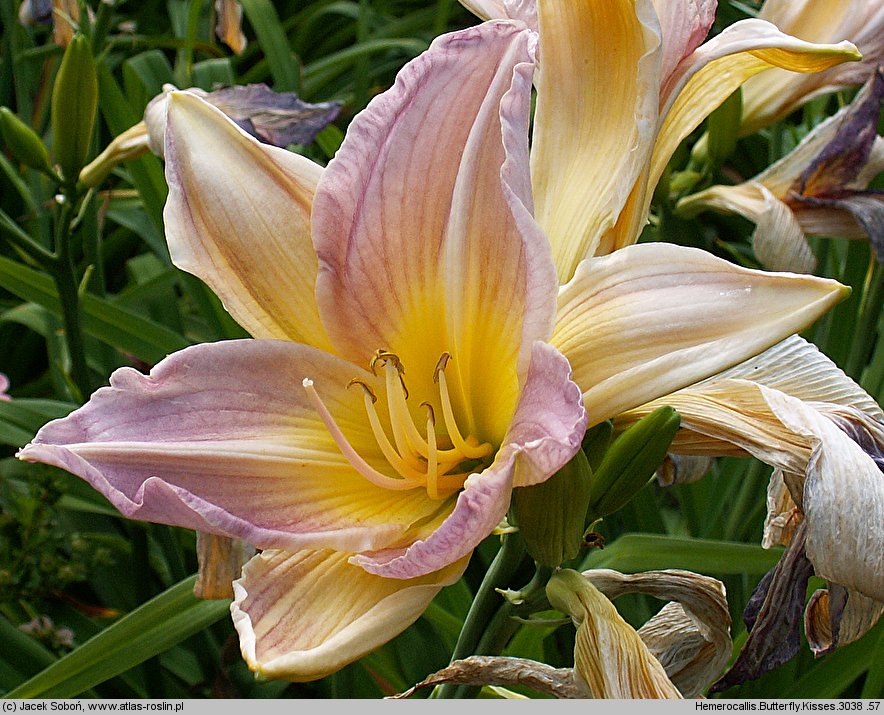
{"points": [[304, 615], [390, 266], [684, 25], [545, 434], [222, 438]]}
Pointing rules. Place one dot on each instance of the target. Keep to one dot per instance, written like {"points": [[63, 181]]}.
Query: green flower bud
{"points": [[74, 104], [632, 460], [724, 127], [23, 142], [551, 515]]}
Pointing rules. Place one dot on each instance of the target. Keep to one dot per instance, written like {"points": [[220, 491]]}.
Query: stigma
{"points": [[419, 459]]}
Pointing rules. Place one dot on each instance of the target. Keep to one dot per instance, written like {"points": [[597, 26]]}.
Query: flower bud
{"points": [[74, 104], [23, 142], [551, 515], [631, 461]]}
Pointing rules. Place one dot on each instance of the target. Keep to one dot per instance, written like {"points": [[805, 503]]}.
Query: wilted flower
{"points": [[792, 408], [818, 189], [777, 93], [277, 118], [411, 364], [228, 27]]}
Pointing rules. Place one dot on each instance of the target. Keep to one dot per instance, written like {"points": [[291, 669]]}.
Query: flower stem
{"points": [[65, 277], [487, 602]]}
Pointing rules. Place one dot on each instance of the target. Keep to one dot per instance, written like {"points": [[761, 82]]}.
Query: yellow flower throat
{"points": [[420, 461]]}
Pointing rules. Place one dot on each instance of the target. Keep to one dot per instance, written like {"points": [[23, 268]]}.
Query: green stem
{"points": [[503, 624], [869, 312], [487, 600], [66, 282]]}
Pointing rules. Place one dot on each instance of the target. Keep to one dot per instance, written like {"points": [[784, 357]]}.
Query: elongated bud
{"points": [[24, 143], [596, 442], [632, 460], [551, 515], [724, 128], [74, 104]]}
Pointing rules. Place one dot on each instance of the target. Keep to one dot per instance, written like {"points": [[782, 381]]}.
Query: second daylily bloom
{"points": [[819, 188], [413, 355], [621, 84]]}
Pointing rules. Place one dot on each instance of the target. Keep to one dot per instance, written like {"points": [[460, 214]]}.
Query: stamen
{"points": [[361, 466], [433, 457], [400, 465], [472, 451]]}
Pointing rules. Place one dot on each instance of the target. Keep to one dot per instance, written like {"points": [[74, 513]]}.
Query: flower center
{"points": [[438, 463]]}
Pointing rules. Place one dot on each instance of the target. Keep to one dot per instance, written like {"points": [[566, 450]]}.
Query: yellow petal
{"points": [[304, 615], [595, 118], [652, 318], [238, 216], [609, 655]]}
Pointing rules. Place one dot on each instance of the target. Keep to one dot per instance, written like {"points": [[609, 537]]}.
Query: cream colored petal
{"points": [[712, 73], [304, 615], [595, 118], [609, 655], [238, 216], [778, 240], [746, 199], [775, 94], [860, 614], [783, 515], [798, 368], [843, 499], [690, 636], [832, 477], [653, 318]]}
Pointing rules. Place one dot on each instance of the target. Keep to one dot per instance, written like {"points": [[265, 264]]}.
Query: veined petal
{"points": [[222, 438], [304, 615], [778, 240], [684, 25], [238, 216], [524, 10], [690, 636], [854, 620], [652, 318], [609, 655], [595, 119], [431, 247], [830, 455], [546, 432], [773, 95]]}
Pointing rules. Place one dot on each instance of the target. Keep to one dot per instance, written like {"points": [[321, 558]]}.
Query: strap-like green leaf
{"points": [[156, 626]]}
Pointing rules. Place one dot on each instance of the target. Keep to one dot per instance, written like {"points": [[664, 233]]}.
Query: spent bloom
{"points": [[413, 360], [820, 188]]}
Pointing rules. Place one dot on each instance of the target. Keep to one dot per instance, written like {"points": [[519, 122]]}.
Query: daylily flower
{"points": [[819, 188], [4, 386], [776, 94], [63, 15], [792, 408], [411, 364], [620, 85]]}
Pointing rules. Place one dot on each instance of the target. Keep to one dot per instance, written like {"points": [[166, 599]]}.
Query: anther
{"points": [[440, 366], [364, 386]]}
